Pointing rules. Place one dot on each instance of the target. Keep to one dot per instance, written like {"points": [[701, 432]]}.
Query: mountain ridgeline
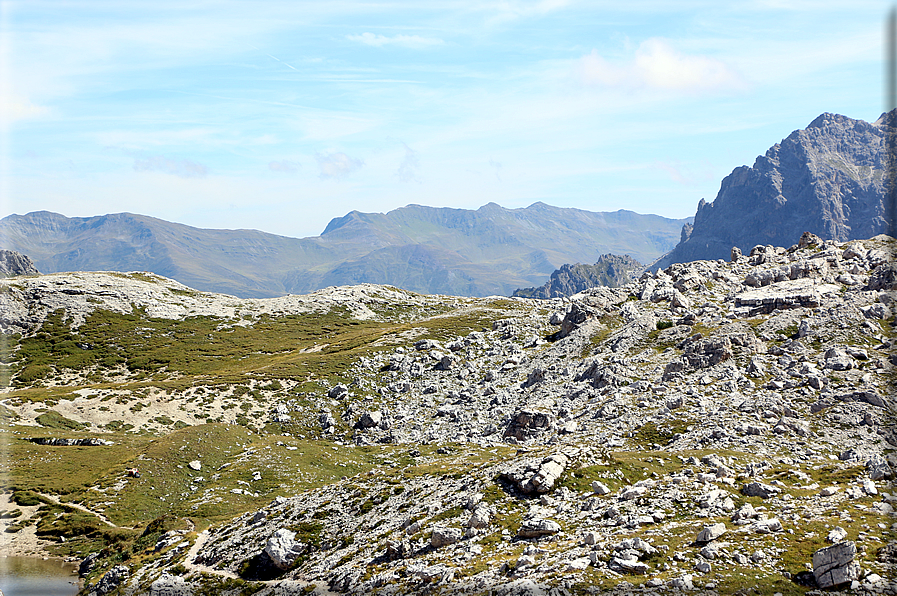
{"points": [[828, 179], [487, 251], [611, 271]]}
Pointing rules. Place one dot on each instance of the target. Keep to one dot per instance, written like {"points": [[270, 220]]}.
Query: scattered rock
{"points": [[759, 489], [536, 528], [445, 537], [711, 533]]}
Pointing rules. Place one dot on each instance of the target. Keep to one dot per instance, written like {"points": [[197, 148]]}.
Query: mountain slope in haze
{"points": [[491, 250], [610, 271], [828, 179]]}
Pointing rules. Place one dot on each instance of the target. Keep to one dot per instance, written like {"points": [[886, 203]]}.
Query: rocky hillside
{"points": [[827, 178], [488, 251], [611, 271], [711, 426], [13, 264]]}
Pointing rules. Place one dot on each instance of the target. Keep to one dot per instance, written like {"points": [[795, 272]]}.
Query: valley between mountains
{"points": [[707, 428]]}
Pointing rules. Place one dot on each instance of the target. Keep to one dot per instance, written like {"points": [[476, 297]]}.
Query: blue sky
{"points": [[279, 116]]}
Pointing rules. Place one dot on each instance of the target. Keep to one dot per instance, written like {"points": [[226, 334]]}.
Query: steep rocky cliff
{"points": [[827, 179], [13, 263], [610, 270]]}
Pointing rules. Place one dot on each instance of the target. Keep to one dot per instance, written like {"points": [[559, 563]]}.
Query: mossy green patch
{"points": [[53, 419], [620, 469], [659, 434]]}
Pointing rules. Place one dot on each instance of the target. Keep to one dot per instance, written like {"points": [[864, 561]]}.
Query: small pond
{"points": [[32, 576]]}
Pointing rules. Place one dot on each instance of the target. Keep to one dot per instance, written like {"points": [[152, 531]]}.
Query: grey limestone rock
{"points": [[837, 359], [610, 270], [767, 526], [529, 424], [369, 419], [339, 391], [480, 517], [13, 263], [599, 488], [628, 564], [536, 528], [759, 489], [445, 537], [537, 476], [111, 580], [711, 532], [783, 295], [834, 565], [836, 535], [283, 549], [170, 585], [431, 573]]}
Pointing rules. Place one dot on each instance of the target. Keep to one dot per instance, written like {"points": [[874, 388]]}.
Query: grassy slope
{"points": [[208, 357]]}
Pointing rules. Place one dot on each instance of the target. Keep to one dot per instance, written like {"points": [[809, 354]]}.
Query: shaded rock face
{"points": [[88, 442], [826, 179], [525, 425], [111, 580], [13, 263], [610, 270]]}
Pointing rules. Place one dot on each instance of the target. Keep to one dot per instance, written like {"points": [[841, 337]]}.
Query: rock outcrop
{"points": [[13, 263], [610, 270], [834, 565]]}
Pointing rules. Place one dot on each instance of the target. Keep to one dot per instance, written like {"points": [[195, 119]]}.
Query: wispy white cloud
{"points": [[183, 168], [286, 166], [168, 80], [14, 108], [507, 10], [409, 167], [337, 166], [408, 41], [684, 174], [656, 64]]}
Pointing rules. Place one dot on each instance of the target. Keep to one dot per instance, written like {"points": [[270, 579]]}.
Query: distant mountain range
{"points": [[828, 178], [490, 250]]}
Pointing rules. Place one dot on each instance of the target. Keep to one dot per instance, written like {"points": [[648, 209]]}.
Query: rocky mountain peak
{"points": [[827, 179], [610, 271], [13, 264]]}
